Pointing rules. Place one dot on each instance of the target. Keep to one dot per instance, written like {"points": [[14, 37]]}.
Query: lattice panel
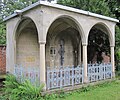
{"points": [[98, 72], [30, 73], [64, 76]]}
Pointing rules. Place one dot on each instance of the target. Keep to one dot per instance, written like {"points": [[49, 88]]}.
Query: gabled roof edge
{"points": [[64, 8]]}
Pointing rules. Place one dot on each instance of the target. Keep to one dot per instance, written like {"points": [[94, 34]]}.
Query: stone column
{"points": [[112, 61], [42, 64], [85, 63], [80, 55]]}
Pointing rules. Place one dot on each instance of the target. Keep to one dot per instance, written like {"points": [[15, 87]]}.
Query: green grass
{"points": [[107, 91], [104, 91]]}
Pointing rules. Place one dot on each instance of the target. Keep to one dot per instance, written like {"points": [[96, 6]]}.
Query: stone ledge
{"points": [[2, 76], [76, 87]]}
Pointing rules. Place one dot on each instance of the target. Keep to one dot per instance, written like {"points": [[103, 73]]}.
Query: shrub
{"points": [[21, 91]]}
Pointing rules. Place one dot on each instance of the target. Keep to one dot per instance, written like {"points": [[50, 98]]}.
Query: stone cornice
{"points": [[58, 6]]}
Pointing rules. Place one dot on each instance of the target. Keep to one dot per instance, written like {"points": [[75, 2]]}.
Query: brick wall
{"points": [[2, 59]]}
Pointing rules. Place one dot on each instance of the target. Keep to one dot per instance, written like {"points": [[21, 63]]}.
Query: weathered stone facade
{"points": [[46, 35], [71, 40], [27, 47]]}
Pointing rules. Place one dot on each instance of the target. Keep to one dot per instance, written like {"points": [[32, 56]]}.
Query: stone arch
{"points": [[77, 24], [20, 20], [64, 28], [106, 29], [26, 43], [103, 41]]}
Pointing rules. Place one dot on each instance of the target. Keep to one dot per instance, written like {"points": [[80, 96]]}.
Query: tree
{"points": [[11, 5], [114, 6], [2, 25], [96, 6], [7, 7]]}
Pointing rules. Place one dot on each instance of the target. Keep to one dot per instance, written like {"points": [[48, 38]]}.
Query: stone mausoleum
{"points": [[50, 43]]}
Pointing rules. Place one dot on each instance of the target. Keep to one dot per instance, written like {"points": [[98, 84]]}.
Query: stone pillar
{"points": [[80, 55], [112, 61], [85, 63], [42, 64]]}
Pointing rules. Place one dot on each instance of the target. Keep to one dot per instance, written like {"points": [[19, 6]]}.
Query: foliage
{"points": [[117, 38], [21, 91], [96, 6], [114, 6], [117, 74], [11, 5], [2, 33], [24, 91], [117, 48]]}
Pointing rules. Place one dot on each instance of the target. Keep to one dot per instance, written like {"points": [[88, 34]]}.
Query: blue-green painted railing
{"points": [[98, 72], [30, 73], [59, 77]]}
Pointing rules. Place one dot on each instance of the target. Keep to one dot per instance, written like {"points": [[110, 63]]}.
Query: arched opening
{"points": [[27, 46], [63, 43], [99, 44]]}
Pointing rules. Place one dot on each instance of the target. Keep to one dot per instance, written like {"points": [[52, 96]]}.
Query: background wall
{"points": [[2, 59]]}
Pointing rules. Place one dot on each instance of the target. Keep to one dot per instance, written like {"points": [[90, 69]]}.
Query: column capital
{"points": [[42, 42], [112, 45], [84, 44]]}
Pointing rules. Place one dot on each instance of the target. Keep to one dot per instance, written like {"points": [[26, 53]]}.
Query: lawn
{"points": [[105, 91]]}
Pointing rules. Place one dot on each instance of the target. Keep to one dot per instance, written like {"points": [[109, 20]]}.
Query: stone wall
{"points": [[2, 59], [67, 55], [27, 51]]}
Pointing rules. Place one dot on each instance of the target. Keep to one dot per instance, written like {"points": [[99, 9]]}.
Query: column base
{"points": [[44, 84], [85, 80], [113, 74]]}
